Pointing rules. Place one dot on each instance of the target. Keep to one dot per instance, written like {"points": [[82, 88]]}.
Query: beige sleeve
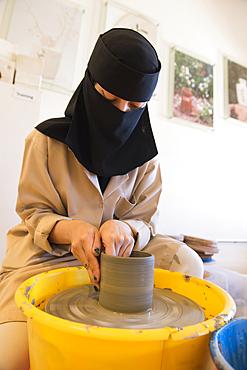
{"points": [[38, 203]]}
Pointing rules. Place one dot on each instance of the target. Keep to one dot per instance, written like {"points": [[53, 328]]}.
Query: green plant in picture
{"points": [[206, 115], [194, 74], [197, 76]]}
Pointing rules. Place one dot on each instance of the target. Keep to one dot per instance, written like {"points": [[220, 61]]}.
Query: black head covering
{"points": [[105, 140]]}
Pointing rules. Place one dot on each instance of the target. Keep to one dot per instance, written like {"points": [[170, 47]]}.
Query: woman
{"points": [[90, 181]]}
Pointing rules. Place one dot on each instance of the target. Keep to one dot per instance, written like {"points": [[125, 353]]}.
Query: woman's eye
{"points": [[115, 100], [111, 100], [133, 106]]}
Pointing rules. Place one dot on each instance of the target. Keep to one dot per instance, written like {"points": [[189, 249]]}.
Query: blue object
{"points": [[228, 345], [207, 260]]}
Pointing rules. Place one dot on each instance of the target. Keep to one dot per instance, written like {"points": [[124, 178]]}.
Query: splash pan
{"points": [[81, 304], [56, 343]]}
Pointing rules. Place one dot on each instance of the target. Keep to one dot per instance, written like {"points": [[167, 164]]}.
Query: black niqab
{"points": [[105, 140]]}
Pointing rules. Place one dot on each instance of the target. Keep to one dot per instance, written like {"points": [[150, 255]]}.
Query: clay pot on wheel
{"points": [[126, 283]]}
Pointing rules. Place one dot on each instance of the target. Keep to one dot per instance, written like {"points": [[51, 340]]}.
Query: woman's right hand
{"points": [[85, 244]]}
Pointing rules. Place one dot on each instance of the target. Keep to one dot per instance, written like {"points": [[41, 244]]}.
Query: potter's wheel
{"points": [[81, 304]]}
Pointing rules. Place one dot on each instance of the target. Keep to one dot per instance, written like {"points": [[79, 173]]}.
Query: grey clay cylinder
{"points": [[126, 283]]}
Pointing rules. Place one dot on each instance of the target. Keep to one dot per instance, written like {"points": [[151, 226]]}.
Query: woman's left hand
{"points": [[117, 238]]}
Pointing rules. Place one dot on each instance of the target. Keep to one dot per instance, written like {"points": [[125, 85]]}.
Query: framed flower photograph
{"points": [[191, 93], [55, 31], [236, 91]]}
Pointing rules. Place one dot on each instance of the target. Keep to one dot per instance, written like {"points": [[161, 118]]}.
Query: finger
{"points": [[126, 248], [93, 269], [89, 261], [96, 248], [122, 242], [92, 260], [93, 279], [109, 246]]}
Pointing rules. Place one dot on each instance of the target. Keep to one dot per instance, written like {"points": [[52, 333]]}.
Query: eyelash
{"points": [[115, 100]]}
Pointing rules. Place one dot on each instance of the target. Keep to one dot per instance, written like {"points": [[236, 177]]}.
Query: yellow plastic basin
{"points": [[55, 343]]}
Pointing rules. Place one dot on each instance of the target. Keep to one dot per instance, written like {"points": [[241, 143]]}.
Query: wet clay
{"points": [[126, 283], [127, 298], [81, 304]]}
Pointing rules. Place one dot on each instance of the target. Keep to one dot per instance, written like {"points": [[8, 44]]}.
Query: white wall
{"points": [[204, 173]]}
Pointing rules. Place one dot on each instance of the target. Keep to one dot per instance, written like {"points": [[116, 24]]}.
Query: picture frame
{"points": [[57, 36], [235, 90], [191, 90], [115, 15]]}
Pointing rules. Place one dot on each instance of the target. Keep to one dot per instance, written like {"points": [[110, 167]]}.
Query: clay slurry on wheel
{"points": [[81, 304], [129, 299]]}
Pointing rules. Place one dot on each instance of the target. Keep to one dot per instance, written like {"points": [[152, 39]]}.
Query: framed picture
{"points": [[116, 15], [53, 30], [236, 91], [191, 90]]}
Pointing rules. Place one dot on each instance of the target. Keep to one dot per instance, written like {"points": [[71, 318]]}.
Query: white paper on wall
{"points": [[7, 69], [28, 71]]}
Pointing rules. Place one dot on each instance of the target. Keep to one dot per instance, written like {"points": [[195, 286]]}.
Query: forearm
{"points": [[63, 230]]}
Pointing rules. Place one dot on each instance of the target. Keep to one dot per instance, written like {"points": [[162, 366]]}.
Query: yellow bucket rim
{"points": [[188, 332]]}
